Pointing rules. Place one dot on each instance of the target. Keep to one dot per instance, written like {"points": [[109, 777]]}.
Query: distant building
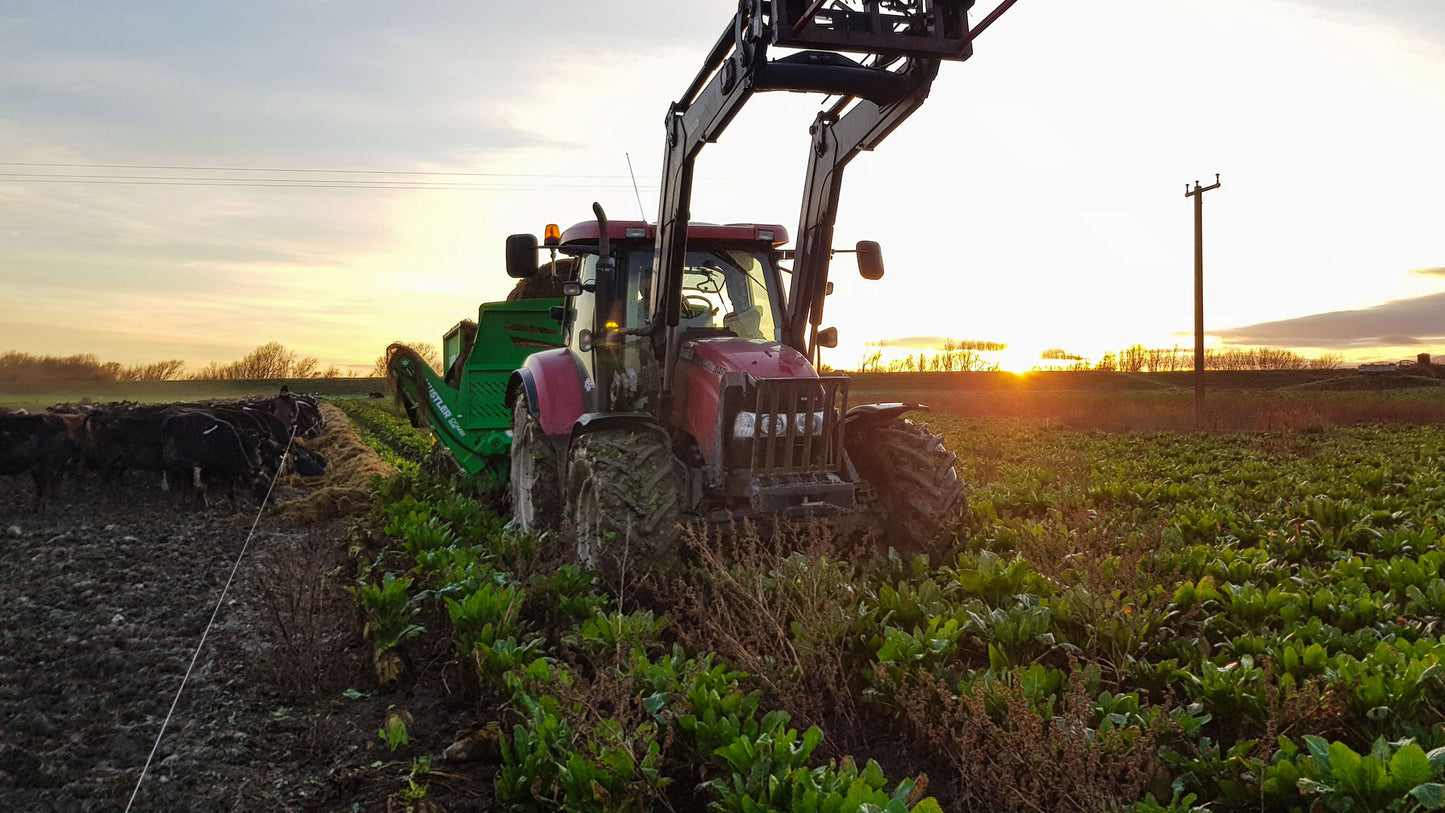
{"points": [[1377, 367]]}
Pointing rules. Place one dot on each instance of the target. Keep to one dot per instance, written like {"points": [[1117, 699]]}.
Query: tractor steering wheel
{"points": [[694, 306]]}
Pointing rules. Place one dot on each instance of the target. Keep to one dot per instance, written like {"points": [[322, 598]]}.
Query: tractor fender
{"points": [[598, 421], [593, 421], [554, 389], [866, 415]]}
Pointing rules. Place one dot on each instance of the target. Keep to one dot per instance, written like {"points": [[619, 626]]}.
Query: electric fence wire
{"points": [[214, 613]]}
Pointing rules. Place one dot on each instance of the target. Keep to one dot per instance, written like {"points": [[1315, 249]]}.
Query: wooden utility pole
{"points": [[1198, 194]]}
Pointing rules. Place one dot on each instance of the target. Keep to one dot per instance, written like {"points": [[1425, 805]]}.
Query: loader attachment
{"points": [[473, 420]]}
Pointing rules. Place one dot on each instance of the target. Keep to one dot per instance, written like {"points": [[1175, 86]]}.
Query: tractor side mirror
{"points": [[870, 259], [572, 288], [827, 337], [522, 256]]}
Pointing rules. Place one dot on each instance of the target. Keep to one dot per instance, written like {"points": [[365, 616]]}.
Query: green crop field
{"points": [[1234, 619]]}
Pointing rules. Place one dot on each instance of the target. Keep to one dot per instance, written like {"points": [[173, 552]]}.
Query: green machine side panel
{"points": [[507, 333], [452, 346]]}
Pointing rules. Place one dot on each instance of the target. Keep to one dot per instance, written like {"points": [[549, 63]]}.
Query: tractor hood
{"points": [[762, 359], [701, 365]]}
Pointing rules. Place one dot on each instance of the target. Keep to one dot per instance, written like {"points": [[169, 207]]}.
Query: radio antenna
{"points": [[635, 191]]}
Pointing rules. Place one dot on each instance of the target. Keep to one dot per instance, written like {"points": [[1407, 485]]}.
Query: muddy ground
{"points": [[103, 601]]}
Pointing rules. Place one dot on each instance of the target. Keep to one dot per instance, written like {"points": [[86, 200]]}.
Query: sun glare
{"points": [[1016, 358]]}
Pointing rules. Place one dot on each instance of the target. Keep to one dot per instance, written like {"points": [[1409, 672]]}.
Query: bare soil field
{"points": [[103, 600]]}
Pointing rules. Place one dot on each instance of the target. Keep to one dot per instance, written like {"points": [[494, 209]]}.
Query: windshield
{"points": [[722, 287]]}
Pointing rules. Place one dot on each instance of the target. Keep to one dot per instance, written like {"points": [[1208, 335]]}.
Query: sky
{"points": [[353, 167]]}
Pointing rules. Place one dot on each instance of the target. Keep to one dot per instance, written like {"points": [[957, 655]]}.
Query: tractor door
{"points": [[581, 331]]}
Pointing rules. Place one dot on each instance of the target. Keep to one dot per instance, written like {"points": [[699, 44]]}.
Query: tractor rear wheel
{"points": [[912, 475], [536, 471], [625, 497]]}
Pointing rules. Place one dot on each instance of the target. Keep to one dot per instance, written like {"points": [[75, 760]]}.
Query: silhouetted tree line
{"points": [[965, 357], [18, 366], [1140, 359], [960, 356], [271, 360]]}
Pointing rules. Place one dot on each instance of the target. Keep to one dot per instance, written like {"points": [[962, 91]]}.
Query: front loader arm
{"points": [[700, 116], [837, 138], [920, 32]]}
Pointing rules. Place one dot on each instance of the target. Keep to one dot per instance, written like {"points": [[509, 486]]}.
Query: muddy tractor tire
{"points": [[913, 477], [624, 498], [535, 478]]}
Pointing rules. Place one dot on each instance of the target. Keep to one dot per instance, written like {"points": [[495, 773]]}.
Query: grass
{"points": [[1122, 402], [42, 394]]}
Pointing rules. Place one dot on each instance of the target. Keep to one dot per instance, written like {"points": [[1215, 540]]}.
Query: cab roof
{"points": [[587, 231]]}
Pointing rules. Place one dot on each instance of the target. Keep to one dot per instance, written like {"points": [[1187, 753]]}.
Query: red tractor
{"points": [[686, 389]]}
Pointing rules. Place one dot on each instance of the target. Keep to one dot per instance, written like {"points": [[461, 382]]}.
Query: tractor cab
{"points": [[732, 288]]}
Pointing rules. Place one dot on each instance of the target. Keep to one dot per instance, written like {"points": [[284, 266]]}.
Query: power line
{"points": [[283, 183], [188, 168], [204, 178]]}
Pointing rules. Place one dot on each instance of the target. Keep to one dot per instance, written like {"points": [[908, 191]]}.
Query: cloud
{"points": [[311, 84], [1402, 322]]}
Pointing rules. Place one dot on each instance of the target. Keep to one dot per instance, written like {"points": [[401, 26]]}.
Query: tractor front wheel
{"points": [[536, 471], [913, 476], [624, 497]]}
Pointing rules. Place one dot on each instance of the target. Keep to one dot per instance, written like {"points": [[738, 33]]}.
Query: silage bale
{"points": [[351, 468]]}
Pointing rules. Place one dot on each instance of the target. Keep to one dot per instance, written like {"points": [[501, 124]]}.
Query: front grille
{"points": [[795, 425]]}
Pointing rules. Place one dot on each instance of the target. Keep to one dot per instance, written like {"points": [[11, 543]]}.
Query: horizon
{"points": [[893, 356]]}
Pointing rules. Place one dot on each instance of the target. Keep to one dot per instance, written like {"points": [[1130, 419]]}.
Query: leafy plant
{"points": [[389, 611], [548, 762], [395, 731], [1396, 776]]}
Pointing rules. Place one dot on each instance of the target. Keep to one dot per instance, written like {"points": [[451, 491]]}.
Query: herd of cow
{"points": [[196, 449]]}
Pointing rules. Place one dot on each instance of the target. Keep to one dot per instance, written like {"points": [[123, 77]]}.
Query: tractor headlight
{"points": [[745, 424], [751, 424]]}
